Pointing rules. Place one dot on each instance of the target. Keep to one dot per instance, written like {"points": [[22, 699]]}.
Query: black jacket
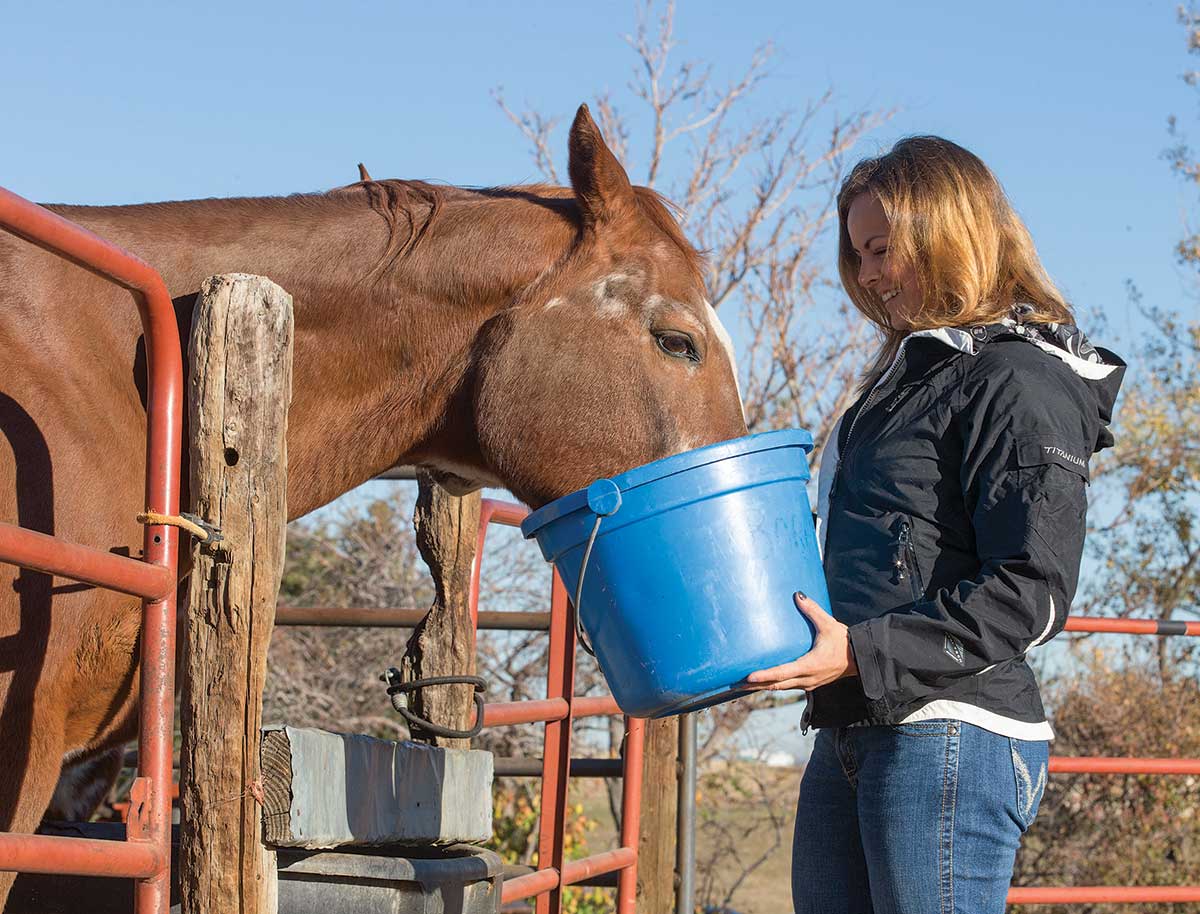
{"points": [[954, 502]]}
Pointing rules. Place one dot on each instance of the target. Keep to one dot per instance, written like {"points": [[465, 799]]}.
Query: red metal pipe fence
{"points": [[1131, 626], [145, 854], [1105, 894], [558, 710], [560, 707], [1117, 894]]}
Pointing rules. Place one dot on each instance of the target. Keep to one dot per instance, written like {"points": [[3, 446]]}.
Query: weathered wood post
{"points": [[238, 394], [656, 846], [443, 643]]}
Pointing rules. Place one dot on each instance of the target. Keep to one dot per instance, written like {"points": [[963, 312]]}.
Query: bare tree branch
{"points": [[537, 130]]}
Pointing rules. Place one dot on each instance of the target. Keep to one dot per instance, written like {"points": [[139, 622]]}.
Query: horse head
{"points": [[611, 358]]}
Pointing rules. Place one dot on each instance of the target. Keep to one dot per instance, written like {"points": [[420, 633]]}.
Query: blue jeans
{"points": [[921, 818]]}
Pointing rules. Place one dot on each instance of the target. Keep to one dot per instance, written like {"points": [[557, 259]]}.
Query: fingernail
{"points": [[801, 594]]}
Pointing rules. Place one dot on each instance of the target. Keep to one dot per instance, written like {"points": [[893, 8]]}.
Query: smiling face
{"points": [[892, 282]]}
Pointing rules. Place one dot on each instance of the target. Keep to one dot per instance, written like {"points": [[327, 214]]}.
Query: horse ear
{"points": [[600, 183], [362, 172]]}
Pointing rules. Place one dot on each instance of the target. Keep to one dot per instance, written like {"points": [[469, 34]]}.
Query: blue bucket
{"points": [[688, 588]]}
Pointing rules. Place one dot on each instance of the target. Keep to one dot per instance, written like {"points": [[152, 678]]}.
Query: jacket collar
{"points": [[1063, 341]]}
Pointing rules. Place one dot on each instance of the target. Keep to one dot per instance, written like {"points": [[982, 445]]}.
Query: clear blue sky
{"points": [[135, 101], [1067, 101]]}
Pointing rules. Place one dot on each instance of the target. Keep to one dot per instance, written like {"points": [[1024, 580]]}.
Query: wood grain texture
{"points": [[656, 844], [239, 389], [276, 759], [443, 644]]}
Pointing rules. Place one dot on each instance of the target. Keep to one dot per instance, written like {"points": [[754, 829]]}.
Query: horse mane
{"points": [[398, 202], [411, 209]]}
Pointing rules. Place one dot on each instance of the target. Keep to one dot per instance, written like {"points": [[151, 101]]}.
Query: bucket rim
{"points": [[670, 466]]}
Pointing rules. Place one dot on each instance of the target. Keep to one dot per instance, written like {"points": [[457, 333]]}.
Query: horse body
{"points": [[533, 337]]}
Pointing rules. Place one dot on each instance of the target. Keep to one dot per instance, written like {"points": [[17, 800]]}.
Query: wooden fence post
{"points": [[443, 643], [656, 845], [238, 394]]}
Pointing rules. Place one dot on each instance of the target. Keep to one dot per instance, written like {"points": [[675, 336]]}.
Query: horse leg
{"points": [[103, 716], [59, 690], [84, 784]]}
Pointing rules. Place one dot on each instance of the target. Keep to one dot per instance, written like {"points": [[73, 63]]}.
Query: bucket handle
{"points": [[603, 500]]}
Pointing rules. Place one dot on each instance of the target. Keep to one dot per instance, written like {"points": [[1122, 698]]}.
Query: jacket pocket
{"points": [[933, 727], [1056, 479], [906, 571]]}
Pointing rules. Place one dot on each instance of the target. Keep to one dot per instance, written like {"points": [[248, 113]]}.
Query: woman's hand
{"points": [[830, 658]]}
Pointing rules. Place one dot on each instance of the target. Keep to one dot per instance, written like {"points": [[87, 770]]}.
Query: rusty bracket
{"points": [[141, 800]]}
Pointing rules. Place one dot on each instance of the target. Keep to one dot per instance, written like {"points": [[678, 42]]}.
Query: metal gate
{"points": [[145, 855]]}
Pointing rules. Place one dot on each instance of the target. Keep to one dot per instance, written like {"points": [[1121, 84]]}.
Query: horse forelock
{"points": [[661, 213]]}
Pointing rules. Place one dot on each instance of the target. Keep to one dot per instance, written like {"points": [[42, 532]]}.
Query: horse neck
{"points": [[383, 324]]}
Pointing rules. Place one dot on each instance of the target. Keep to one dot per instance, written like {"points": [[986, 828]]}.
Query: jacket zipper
{"points": [[887, 375], [905, 561]]}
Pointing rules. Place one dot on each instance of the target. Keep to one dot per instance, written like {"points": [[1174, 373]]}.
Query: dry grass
{"points": [[744, 835]]}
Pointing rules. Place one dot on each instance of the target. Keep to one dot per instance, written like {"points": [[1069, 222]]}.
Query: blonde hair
{"points": [[950, 219]]}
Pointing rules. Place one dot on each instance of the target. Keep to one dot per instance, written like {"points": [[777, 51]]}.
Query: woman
{"points": [[952, 505]]}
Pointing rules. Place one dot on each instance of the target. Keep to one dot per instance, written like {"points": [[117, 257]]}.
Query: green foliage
{"points": [[516, 814]]}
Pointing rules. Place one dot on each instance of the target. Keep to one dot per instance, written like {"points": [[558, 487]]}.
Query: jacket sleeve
{"points": [[1026, 439]]}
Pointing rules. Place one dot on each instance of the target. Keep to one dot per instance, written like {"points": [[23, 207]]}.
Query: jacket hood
{"points": [[1101, 370]]}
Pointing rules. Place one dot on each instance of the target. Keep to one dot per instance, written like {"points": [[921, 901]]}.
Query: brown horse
{"points": [[529, 337]]}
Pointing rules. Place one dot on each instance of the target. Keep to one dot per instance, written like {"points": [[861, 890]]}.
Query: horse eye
{"points": [[678, 345]]}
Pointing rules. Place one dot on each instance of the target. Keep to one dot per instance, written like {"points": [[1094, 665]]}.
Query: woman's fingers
{"points": [[805, 672], [815, 613], [777, 673], [803, 683]]}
